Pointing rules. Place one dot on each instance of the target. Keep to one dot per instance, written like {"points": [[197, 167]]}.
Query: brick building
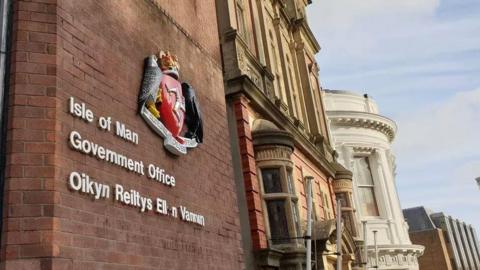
{"points": [[449, 243], [89, 55], [279, 137]]}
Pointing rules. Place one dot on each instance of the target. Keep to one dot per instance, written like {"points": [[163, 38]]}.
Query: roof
{"points": [[418, 219], [348, 92]]}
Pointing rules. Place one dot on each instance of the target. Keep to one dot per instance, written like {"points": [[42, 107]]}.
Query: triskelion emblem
{"points": [[169, 107]]}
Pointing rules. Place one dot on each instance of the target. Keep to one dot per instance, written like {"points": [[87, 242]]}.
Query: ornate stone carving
{"points": [[313, 68], [363, 150], [253, 75], [342, 186], [394, 257], [241, 59], [273, 153]]}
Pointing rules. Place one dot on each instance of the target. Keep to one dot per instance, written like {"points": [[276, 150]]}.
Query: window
{"points": [[242, 27], [366, 187], [277, 217], [291, 190], [280, 204], [327, 206], [322, 204], [292, 90], [274, 64], [290, 181], [271, 180]]}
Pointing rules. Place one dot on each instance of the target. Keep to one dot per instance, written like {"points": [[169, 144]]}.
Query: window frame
{"points": [[240, 12], [288, 194], [372, 187]]}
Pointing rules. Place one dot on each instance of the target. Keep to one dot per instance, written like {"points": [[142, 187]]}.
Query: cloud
{"points": [[451, 194], [347, 13], [359, 22], [469, 171], [374, 37], [444, 131], [438, 156], [420, 60]]}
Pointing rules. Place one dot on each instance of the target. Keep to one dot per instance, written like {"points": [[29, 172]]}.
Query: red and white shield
{"points": [[172, 107]]}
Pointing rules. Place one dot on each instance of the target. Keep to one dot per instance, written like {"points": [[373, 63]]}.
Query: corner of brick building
{"points": [[29, 194]]}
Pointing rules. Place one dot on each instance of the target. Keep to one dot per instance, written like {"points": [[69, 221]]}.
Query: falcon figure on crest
{"points": [[194, 117]]}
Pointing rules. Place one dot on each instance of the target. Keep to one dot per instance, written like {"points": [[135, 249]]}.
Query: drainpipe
{"points": [[5, 29], [339, 234], [4, 35], [308, 234], [376, 248]]}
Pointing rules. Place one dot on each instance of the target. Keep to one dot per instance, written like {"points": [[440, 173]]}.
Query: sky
{"points": [[420, 61]]}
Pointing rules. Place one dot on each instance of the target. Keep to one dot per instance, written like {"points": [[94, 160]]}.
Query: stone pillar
{"points": [[342, 186]]}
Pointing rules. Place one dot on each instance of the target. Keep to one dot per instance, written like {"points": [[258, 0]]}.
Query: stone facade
{"points": [[279, 134], [362, 140], [94, 51]]}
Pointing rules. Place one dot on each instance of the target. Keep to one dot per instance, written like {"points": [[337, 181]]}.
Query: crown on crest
{"points": [[168, 63]]}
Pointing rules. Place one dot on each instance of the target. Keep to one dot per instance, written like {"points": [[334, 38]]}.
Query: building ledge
{"points": [[413, 249], [364, 120]]}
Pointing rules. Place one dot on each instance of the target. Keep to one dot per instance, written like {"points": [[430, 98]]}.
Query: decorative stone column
{"points": [[343, 188]]}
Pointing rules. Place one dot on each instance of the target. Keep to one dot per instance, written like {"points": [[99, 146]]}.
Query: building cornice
{"points": [[364, 120]]}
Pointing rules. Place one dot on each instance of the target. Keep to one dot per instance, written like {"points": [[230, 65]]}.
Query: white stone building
{"points": [[362, 139]]}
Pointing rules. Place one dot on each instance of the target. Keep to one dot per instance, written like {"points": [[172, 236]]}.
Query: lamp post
{"points": [[376, 247], [365, 246], [339, 234], [308, 234]]}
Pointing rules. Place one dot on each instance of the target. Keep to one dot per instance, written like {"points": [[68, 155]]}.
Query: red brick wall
{"points": [[94, 51], [199, 21], [249, 171], [320, 185], [435, 256], [28, 219]]}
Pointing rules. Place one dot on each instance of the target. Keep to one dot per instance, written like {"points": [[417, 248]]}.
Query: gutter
{"points": [[6, 14]]}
